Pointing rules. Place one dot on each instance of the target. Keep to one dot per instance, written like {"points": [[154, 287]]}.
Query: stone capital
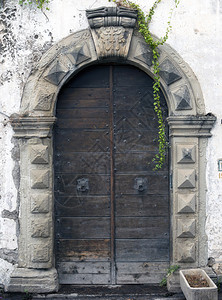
{"points": [[29, 127], [191, 126]]}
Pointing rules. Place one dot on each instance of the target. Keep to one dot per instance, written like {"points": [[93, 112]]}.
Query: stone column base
{"points": [[33, 281]]}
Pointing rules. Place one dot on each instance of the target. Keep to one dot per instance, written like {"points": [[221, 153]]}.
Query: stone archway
{"points": [[111, 38]]}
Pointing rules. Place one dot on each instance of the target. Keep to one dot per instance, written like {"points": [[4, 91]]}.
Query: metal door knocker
{"points": [[83, 185], [140, 184]]}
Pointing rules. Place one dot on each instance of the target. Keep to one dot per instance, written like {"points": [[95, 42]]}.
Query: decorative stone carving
{"points": [[40, 203], [186, 252], [183, 99], [192, 126], [56, 73], [186, 228], [112, 41], [80, 54], [144, 54], [112, 16], [39, 154], [39, 179], [40, 228], [40, 253], [168, 72], [186, 154], [186, 203], [186, 178], [29, 127], [44, 103]]}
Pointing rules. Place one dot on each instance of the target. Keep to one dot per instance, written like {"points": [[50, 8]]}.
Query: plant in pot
{"points": [[196, 285]]}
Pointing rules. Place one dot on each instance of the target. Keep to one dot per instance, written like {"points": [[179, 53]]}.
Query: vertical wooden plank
{"points": [[82, 179]]}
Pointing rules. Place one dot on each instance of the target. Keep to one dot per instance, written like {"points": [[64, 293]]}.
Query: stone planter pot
{"points": [[203, 293]]}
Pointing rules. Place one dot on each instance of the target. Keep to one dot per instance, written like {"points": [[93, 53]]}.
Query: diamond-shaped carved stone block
{"points": [[168, 72], [39, 204], [186, 252], [182, 97], [40, 253], [40, 228], [186, 179], [143, 54], [39, 179], [44, 102], [186, 154], [186, 203], [186, 228], [56, 73], [79, 54], [39, 154]]}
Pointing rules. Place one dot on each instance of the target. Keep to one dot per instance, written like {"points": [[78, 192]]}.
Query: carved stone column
{"points": [[36, 265], [188, 187]]}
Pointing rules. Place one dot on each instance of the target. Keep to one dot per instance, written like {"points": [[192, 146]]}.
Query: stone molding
{"points": [[31, 126], [188, 126], [111, 16], [199, 126]]}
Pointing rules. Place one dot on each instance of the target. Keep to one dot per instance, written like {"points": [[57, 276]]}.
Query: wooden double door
{"points": [[111, 208]]}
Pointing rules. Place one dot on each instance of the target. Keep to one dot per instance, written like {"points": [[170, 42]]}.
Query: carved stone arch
{"points": [[111, 38]]}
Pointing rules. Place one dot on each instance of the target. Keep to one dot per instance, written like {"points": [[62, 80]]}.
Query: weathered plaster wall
{"points": [[26, 33]]}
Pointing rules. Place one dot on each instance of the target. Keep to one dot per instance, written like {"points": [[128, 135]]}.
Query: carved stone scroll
{"points": [[112, 16]]}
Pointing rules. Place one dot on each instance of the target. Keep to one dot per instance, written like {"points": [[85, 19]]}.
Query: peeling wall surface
{"points": [[26, 33]]}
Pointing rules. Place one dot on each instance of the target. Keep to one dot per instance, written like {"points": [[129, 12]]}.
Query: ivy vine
{"points": [[143, 21], [40, 3]]}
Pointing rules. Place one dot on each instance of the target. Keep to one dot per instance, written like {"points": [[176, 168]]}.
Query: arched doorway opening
{"points": [[111, 209], [189, 130]]}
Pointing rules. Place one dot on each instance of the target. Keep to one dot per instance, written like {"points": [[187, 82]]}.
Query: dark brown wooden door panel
{"points": [[142, 250], [111, 208], [88, 206], [75, 250]]}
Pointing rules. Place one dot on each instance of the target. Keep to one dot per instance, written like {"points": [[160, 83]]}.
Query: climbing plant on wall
{"points": [[143, 22], [40, 3]]}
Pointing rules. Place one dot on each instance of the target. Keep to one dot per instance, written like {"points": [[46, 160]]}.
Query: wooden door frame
{"points": [[189, 130]]}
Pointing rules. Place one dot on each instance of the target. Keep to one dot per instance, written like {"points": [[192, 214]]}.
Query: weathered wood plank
{"points": [[135, 162], [70, 103], [66, 184], [81, 140], [84, 267], [125, 184], [84, 278], [138, 97], [89, 112], [83, 228], [141, 273], [86, 123], [91, 77], [72, 162], [130, 76], [82, 206], [83, 250], [142, 250], [132, 123], [144, 205], [132, 140], [142, 227], [74, 95]]}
